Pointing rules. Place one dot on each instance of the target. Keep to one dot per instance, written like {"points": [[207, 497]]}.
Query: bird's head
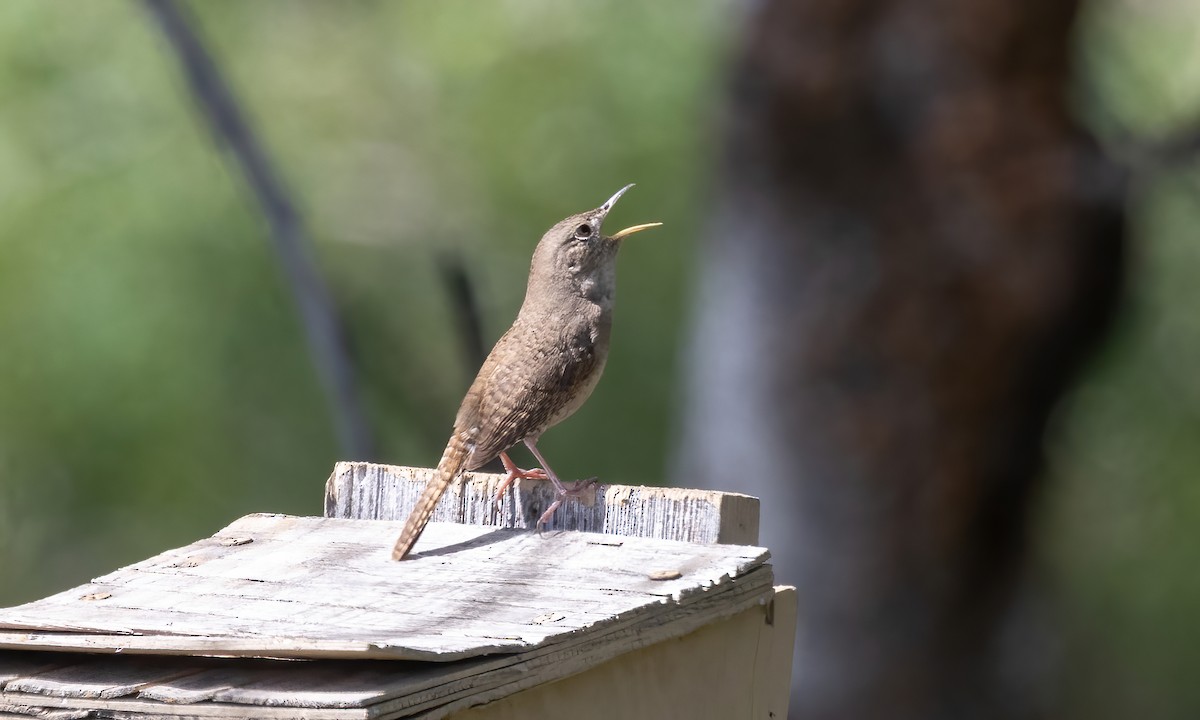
{"points": [[575, 257]]}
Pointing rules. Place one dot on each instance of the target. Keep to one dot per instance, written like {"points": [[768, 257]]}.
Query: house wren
{"points": [[543, 368]]}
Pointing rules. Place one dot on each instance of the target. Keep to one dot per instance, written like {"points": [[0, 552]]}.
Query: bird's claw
{"points": [[514, 474], [575, 489]]}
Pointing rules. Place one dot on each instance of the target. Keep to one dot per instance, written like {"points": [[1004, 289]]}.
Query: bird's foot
{"points": [[514, 474], [565, 491]]}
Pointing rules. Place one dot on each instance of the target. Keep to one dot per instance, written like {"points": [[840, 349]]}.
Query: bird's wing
{"points": [[528, 377]]}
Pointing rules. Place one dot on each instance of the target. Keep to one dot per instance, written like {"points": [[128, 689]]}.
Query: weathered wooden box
{"points": [[292, 617]]}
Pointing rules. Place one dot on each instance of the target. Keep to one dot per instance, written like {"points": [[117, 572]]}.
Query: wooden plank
{"points": [[146, 709], [15, 665], [335, 684], [28, 712], [313, 587], [406, 693], [535, 670], [280, 586], [504, 675], [197, 687], [772, 680], [713, 673], [351, 685], [420, 686], [368, 491], [394, 689], [116, 677], [219, 647]]}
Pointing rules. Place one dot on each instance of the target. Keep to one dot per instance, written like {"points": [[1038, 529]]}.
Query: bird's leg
{"points": [[563, 491], [514, 474]]}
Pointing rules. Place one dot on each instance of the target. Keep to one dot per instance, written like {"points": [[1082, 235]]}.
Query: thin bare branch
{"points": [[322, 329]]}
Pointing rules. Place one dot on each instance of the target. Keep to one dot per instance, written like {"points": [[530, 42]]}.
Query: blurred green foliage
{"points": [[153, 379], [1120, 533]]}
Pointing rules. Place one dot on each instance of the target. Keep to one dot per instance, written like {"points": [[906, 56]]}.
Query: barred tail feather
{"points": [[453, 460]]}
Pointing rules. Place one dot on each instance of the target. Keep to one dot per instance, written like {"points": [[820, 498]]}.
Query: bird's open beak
{"points": [[636, 228], [608, 205]]}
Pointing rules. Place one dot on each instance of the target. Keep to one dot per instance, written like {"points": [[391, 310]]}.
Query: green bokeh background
{"points": [[154, 383]]}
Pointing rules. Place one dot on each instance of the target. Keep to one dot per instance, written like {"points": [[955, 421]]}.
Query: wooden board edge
{"points": [[675, 629], [773, 662], [373, 491]]}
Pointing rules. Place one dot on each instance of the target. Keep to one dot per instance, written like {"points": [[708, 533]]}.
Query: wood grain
{"points": [[318, 587], [368, 491], [328, 689], [290, 617]]}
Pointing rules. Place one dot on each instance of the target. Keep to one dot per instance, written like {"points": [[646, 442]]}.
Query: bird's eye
{"points": [[583, 232]]}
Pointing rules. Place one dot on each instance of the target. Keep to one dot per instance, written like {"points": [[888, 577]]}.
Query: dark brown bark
{"points": [[915, 247]]}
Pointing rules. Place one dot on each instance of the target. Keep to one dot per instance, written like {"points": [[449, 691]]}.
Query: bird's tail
{"points": [[453, 460]]}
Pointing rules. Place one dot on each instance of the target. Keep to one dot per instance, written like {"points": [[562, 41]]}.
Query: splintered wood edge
{"points": [[705, 602], [779, 608], [489, 679], [371, 491], [64, 621]]}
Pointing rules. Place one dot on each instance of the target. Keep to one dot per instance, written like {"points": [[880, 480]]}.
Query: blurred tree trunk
{"points": [[914, 247]]}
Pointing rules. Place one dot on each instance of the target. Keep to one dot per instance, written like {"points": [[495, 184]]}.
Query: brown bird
{"points": [[543, 369]]}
